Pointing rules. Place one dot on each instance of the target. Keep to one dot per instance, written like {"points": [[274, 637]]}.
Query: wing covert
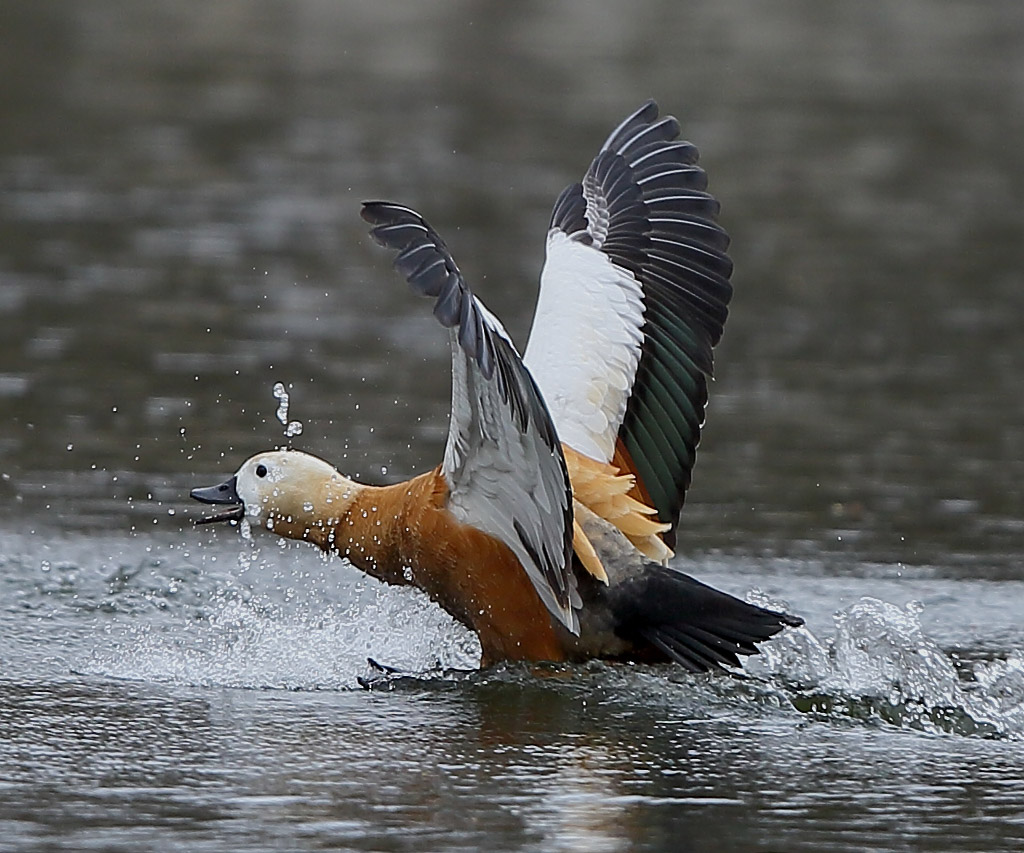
{"points": [[503, 461]]}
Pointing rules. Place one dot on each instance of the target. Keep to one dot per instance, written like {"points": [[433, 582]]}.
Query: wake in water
{"points": [[313, 630], [285, 618], [881, 665]]}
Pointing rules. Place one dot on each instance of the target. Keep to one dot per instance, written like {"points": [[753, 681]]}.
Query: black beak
{"points": [[225, 493]]}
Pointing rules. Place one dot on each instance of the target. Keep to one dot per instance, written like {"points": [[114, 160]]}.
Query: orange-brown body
{"points": [[628, 608], [404, 534]]}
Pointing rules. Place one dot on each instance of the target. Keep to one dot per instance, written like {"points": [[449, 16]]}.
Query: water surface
{"points": [[179, 231]]}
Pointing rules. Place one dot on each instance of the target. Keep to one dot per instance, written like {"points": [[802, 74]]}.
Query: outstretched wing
{"points": [[503, 462], [634, 295]]}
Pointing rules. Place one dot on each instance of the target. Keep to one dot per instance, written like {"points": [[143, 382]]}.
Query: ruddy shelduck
{"points": [[548, 526]]}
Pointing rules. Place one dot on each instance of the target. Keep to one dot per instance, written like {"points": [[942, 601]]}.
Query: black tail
{"points": [[690, 622]]}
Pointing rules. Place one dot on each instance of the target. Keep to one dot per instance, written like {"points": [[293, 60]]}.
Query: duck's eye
{"points": [[261, 470]]}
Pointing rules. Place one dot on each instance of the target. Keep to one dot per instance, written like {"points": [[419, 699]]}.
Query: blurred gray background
{"points": [[179, 230]]}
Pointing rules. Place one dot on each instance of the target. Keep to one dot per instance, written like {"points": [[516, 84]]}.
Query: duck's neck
{"points": [[370, 533], [365, 524]]}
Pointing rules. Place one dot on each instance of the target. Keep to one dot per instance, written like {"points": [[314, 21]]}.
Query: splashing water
{"points": [[291, 428], [281, 395], [287, 617], [248, 641], [881, 665]]}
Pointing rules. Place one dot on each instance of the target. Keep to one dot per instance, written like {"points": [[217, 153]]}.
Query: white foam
{"points": [[880, 663], [252, 642]]}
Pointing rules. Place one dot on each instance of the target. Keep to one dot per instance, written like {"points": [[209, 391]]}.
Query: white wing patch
{"points": [[633, 298], [585, 343]]}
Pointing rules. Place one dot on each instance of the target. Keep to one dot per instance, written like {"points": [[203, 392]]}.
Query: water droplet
{"points": [[294, 428], [281, 395], [307, 507]]}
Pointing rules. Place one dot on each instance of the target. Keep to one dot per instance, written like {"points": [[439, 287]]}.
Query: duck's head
{"points": [[287, 491]]}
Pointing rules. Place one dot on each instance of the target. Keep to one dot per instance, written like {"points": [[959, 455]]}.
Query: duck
{"points": [[549, 525]]}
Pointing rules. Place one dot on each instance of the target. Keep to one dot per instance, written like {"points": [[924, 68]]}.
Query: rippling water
{"points": [[205, 696], [179, 232]]}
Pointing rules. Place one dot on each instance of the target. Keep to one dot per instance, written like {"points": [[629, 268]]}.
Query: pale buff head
{"points": [[290, 492]]}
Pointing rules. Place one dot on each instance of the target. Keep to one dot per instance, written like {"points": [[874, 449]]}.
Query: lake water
{"points": [[179, 231]]}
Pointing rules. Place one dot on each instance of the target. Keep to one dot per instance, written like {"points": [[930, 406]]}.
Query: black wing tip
{"points": [[379, 211], [648, 111], [373, 212], [645, 114], [427, 265]]}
